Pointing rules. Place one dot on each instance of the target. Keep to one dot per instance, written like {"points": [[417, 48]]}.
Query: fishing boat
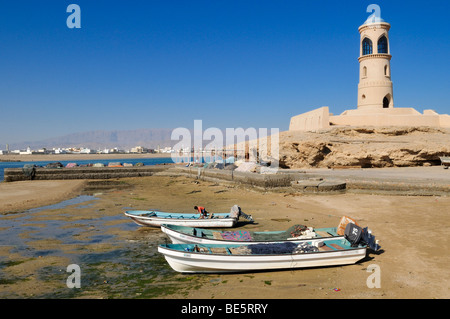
{"points": [[445, 162], [188, 235], [209, 258], [196, 258], [219, 220]]}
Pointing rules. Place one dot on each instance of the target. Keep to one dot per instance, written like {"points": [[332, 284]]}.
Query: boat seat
{"points": [[219, 250], [323, 233], [149, 214], [325, 248], [242, 250], [217, 235], [198, 232], [234, 251], [336, 246]]}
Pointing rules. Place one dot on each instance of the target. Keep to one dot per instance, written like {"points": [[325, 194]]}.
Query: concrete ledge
{"points": [[318, 185], [402, 181], [263, 181], [40, 173], [417, 181]]}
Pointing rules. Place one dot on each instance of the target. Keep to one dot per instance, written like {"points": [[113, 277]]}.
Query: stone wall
{"points": [[262, 181], [310, 121], [396, 117], [41, 173]]}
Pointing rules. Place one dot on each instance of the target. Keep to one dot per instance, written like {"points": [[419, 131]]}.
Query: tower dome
{"points": [[373, 19]]}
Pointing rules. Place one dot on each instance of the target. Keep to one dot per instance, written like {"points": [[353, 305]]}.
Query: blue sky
{"points": [[231, 63]]}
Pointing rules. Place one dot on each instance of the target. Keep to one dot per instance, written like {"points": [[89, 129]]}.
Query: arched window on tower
{"points": [[367, 46], [383, 45], [386, 102], [364, 74]]}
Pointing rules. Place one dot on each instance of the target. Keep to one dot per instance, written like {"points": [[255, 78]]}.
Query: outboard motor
{"points": [[246, 217], [357, 235], [236, 212], [353, 233]]}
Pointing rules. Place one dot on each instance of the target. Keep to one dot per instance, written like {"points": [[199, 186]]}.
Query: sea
{"points": [[145, 161]]}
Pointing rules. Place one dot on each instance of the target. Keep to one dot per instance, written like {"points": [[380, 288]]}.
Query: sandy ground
{"points": [[412, 231], [77, 157], [413, 263], [19, 196]]}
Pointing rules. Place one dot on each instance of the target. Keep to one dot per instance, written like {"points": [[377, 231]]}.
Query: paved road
{"points": [[433, 180], [424, 174]]}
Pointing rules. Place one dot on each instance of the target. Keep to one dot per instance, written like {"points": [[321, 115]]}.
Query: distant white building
{"points": [[167, 149], [112, 151], [27, 152], [87, 151], [60, 151], [138, 149]]}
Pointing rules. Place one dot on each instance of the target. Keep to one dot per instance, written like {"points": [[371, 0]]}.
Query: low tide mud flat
{"points": [[119, 259]]}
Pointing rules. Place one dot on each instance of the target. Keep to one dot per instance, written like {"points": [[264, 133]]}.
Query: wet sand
{"points": [[19, 196], [411, 229]]}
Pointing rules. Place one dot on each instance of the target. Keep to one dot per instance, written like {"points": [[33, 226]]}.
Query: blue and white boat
{"points": [[215, 258], [157, 218], [188, 235], [196, 258]]}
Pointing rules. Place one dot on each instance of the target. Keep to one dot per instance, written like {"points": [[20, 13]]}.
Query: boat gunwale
{"points": [[167, 227], [165, 246], [155, 216]]}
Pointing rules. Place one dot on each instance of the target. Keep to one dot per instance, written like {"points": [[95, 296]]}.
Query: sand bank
{"points": [[20, 196]]}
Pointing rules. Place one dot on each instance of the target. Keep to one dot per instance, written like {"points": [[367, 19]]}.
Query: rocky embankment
{"points": [[364, 147]]}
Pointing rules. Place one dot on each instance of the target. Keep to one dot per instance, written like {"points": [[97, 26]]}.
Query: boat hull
{"points": [[192, 221], [193, 262], [178, 237]]}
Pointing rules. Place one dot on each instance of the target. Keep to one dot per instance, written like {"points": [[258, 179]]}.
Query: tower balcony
{"points": [[375, 56]]}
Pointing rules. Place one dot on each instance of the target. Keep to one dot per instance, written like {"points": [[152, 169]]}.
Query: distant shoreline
{"points": [[78, 157]]}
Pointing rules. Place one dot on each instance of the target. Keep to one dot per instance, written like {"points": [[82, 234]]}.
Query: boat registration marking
{"points": [[199, 240], [350, 252]]}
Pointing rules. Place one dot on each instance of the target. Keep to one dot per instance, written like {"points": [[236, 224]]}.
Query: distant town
{"points": [[82, 150], [183, 151]]}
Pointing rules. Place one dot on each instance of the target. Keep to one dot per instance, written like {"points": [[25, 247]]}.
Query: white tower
{"points": [[375, 86]]}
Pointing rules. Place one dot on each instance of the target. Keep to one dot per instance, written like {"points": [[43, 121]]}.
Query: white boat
{"points": [[188, 235], [157, 218], [195, 258], [445, 162]]}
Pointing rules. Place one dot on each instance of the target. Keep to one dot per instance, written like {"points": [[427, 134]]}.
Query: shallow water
{"points": [[118, 259], [73, 201], [18, 229]]}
